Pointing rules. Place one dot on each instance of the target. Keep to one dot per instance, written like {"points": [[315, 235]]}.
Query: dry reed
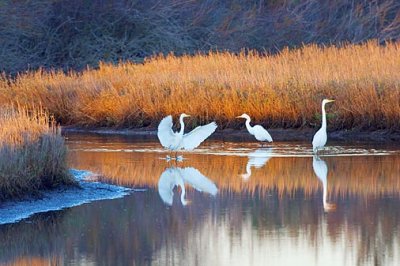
{"points": [[280, 91], [32, 152]]}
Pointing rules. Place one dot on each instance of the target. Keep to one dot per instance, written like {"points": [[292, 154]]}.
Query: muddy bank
{"points": [[305, 134]]}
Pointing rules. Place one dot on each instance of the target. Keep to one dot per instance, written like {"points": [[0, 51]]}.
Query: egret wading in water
{"points": [[175, 141], [321, 137], [260, 133]]}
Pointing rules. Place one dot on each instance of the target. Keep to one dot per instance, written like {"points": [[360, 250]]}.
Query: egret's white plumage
{"points": [[321, 137], [178, 140], [259, 132], [176, 176], [321, 171]]}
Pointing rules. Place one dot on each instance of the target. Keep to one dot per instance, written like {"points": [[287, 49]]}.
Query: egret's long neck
{"points": [[182, 126], [323, 117], [248, 126]]}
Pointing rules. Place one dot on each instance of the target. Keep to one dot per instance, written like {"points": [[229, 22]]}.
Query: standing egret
{"points": [[321, 137], [260, 133], [175, 141]]}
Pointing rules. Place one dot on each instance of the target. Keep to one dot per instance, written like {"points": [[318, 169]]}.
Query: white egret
{"points": [[259, 132], [321, 137], [321, 171], [175, 141], [258, 159], [176, 176]]}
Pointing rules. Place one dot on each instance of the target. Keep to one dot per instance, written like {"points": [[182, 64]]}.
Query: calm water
{"points": [[224, 204]]}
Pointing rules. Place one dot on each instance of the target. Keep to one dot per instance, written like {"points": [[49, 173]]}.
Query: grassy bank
{"points": [[280, 91], [32, 154]]}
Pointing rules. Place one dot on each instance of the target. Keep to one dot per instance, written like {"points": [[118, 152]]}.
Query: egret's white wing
{"points": [[165, 133], [193, 139], [198, 181], [319, 139], [320, 169], [261, 133]]}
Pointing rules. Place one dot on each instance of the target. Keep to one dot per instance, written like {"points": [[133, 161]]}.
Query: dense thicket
{"points": [[74, 33]]}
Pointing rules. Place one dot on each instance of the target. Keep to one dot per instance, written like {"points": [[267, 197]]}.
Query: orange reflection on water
{"points": [[347, 176], [259, 211], [35, 261]]}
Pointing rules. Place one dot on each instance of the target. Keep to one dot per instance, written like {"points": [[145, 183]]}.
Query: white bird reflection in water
{"points": [[176, 176], [321, 171], [258, 159]]}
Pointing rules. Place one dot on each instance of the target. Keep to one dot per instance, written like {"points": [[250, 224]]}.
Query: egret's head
{"points": [[245, 116], [325, 101], [183, 115]]}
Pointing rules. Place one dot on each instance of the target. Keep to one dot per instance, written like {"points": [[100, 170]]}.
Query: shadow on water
{"points": [[285, 206]]}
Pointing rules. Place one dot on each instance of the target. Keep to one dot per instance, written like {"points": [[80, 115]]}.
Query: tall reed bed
{"points": [[281, 91], [32, 153]]}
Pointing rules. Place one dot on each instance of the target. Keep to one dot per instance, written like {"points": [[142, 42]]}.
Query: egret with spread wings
{"points": [[176, 141]]}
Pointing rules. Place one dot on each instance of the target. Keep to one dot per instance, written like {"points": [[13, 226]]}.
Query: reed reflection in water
{"points": [[275, 217], [361, 176]]}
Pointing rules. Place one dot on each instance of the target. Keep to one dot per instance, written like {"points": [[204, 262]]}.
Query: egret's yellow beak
{"points": [[239, 116], [329, 101]]}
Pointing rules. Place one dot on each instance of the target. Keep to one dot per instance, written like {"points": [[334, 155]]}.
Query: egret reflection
{"points": [[258, 159], [176, 176], [321, 171]]}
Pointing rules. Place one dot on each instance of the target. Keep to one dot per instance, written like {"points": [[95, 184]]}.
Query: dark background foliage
{"points": [[73, 34]]}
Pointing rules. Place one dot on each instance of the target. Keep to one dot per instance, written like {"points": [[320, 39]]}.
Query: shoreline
{"points": [[14, 210], [305, 134]]}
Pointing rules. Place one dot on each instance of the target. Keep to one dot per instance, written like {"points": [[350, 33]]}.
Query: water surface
{"points": [[224, 204]]}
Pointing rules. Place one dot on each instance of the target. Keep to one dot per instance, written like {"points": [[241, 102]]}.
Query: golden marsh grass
{"points": [[32, 153], [282, 90]]}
